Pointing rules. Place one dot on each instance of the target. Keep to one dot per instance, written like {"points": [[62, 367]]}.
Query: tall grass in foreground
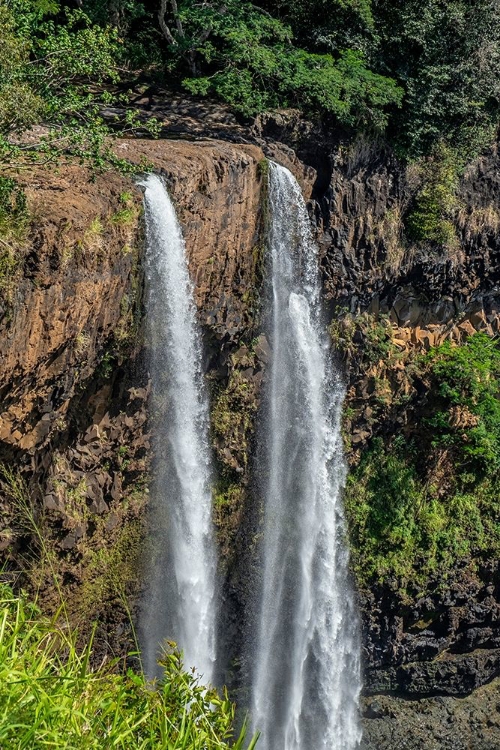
{"points": [[50, 697]]}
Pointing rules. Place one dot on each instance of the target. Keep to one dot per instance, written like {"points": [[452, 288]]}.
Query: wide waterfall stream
{"points": [[179, 601], [307, 673]]}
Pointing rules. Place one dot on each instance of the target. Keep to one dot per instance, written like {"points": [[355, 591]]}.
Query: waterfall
{"points": [[179, 598], [306, 681]]}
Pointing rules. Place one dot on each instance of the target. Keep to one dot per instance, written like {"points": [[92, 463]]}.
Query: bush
{"points": [[51, 697], [404, 528], [467, 415], [430, 218], [248, 58], [446, 55], [422, 503], [13, 209]]}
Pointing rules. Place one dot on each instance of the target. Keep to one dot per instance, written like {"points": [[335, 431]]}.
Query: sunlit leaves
{"points": [[253, 64], [50, 696]]}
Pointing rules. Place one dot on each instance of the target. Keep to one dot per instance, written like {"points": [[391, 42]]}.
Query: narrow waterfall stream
{"points": [[179, 601], [306, 680]]}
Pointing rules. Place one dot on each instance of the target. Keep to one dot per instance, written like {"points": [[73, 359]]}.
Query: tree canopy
{"points": [[425, 71]]}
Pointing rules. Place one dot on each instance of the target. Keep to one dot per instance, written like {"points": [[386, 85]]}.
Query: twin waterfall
{"points": [[305, 663], [306, 683], [179, 601]]}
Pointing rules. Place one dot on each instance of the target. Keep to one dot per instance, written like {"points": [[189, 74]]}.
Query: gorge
{"points": [[250, 374], [75, 389]]}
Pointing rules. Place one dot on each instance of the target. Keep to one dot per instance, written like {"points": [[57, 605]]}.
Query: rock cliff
{"points": [[73, 425], [73, 428]]}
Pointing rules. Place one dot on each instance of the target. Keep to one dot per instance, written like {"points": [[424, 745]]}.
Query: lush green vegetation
{"points": [[50, 74], [251, 62], [426, 73], [467, 414], [349, 59], [51, 697], [420, 503], [431, 214], [444, 53]]}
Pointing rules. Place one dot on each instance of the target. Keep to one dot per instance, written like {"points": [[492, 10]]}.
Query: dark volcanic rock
{"points": [[470, 723]]}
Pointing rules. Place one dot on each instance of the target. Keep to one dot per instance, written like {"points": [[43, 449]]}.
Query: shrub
{"points": [[51, 697], [405, 528], [467, 382], [248, 58], [430, 218], [423, 502]]}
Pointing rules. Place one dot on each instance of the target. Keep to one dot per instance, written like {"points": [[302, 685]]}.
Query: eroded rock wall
{"points": [[74, 384], [440, 638]]}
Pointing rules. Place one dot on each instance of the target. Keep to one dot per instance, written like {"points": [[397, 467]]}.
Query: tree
{"points": [[187, 47], [446, 54], [327, 25], [245, 56], [53, 69]]}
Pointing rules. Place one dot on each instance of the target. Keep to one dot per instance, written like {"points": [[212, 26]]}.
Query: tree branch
{"points": [[163, 26], [178, 21]]}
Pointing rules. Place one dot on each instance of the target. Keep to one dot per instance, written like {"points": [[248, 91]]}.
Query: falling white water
{"points": [[179, 601], [307, 676]]}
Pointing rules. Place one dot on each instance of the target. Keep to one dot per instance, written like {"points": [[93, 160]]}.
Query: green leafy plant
{"points": [[468, 413], [402, 527], [430, 218], [247, 58], [51, 696], [445, 54], [423, 503]]}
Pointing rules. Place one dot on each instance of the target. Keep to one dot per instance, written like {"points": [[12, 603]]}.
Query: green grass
{"points": [[51, 697]]}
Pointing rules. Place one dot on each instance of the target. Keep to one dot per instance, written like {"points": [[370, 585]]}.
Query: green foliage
{"points": [[446, 54], [128, 213], [51, 697], [350, 59], [468, 384], [20, 106], [378, 337], [14, 215], [227, 493], [228, 504], [405, 528], [121, 14], [375, 333], [430, 218], [263, 169], [328, 25], [252, 64], [56, 69], [418, 505]]}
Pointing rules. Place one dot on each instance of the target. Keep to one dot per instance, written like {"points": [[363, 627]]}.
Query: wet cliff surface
{"points": [[73, 427]]}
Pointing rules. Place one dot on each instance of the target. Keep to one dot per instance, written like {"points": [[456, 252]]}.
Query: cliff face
{"points": [[392, 301], [75, 446], [74, 384], [71, 313]]}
